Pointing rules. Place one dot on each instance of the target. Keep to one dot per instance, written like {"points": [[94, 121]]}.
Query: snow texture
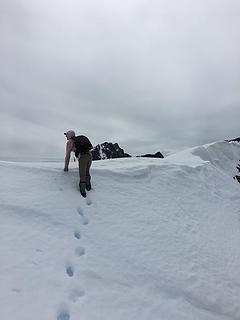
{"points": [[155, 239]]}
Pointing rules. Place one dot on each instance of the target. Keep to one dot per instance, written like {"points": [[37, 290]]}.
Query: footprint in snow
{"points": [[70, 271], [84, 218], [77, 234], [79, 251], [80, 211], [63, 312], [88, 201], [63, 315], [76, 294]]}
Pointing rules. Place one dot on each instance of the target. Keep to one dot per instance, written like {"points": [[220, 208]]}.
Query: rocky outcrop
{"points": [[236, 140], [108, 150], [238, 166], [156, 155], [237, 177]]}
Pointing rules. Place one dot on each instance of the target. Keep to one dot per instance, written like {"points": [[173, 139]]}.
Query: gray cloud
{"points": [[151, 75]]}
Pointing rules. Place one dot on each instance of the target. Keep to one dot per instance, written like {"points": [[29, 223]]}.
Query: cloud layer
{"points": [[151, 75]]}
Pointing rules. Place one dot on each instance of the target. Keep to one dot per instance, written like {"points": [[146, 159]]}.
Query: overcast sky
{"points": [[152, 75]]}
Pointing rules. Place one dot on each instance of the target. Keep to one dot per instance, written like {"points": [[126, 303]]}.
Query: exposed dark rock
{"points": [[237, 178], [149, 155], [108, 150], [238, 167], [236, 139]]}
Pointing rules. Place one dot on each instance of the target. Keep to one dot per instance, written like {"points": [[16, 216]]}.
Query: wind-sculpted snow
{"points": [[218, 152], [156, 239]]}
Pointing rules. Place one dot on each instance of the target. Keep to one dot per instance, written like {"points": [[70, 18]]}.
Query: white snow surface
{"points": [[156, 239]]}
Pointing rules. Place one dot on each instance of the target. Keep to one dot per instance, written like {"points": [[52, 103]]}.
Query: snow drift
{"points": [[155, 239]]}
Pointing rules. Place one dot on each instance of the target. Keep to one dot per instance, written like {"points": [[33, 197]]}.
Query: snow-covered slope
{"points": [[155, 239]]}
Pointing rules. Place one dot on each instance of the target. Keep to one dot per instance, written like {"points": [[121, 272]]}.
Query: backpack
{"points": [[82, 145]]}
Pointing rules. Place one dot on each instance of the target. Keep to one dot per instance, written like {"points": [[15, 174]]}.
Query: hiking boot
{"points": [[88, 183], [82, 186]]}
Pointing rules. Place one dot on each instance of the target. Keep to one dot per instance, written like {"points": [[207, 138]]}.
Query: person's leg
{"points": [[88, 176], [83, 161]]}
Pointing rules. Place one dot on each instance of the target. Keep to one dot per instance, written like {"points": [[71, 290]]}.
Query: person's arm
{"points": [[69, 148]]}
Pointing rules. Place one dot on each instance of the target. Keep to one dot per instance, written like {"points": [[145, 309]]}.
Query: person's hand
{"points": [[65, 169]]}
